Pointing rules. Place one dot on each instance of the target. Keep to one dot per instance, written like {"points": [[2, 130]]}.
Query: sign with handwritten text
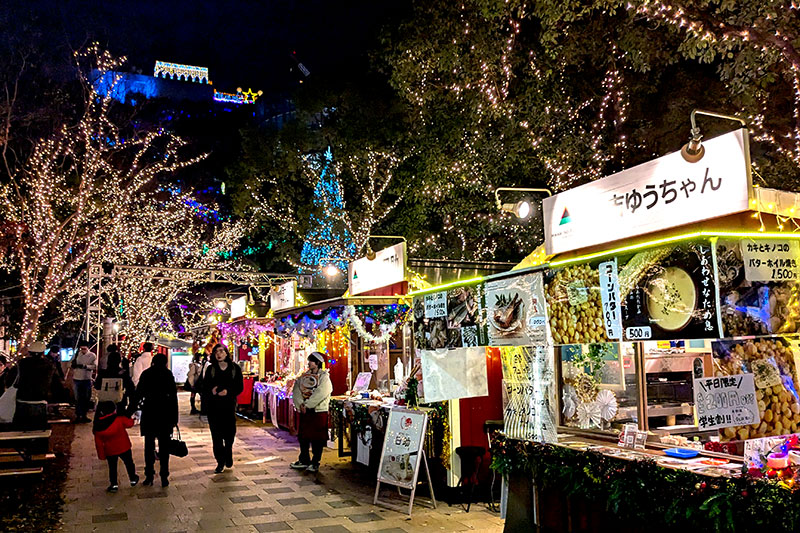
{"points": [[726, 401]]}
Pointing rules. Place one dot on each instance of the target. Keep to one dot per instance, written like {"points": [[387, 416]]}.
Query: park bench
{"points": [[20, 451]]}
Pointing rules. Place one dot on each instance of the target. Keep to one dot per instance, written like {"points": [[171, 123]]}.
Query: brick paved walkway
{"points": [[261, 493]]}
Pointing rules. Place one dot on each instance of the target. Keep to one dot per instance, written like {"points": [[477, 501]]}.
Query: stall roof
{"points": [[341, 301]]}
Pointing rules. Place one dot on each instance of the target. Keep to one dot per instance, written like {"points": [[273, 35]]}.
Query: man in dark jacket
{"points": [[158, 397], [38, 382]]}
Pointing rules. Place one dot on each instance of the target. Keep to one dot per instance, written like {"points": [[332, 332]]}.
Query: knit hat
{"points": [[317, 358], [37, 347]]}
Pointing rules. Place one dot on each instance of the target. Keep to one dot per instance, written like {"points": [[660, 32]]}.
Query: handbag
{"points": [[111, 390], [177, 447], [8, 402]]}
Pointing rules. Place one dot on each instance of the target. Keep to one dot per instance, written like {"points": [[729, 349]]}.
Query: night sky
{"points": [[245, 44]]}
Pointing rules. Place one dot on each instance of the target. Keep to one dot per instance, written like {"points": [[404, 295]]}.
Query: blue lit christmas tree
{"points": [[327, 238]]}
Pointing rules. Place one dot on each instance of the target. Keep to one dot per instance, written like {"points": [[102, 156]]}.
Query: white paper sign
{"points": [[436, 305], [609, 296], [453, 374], [388, 268], [284, 296], [770, 260], [239, 307], [405, 431], [362, 381], [664, 193], [726, 401]]}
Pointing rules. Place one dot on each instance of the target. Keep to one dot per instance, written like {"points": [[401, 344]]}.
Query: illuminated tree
{"points": [[349, 201], [81, 194]]}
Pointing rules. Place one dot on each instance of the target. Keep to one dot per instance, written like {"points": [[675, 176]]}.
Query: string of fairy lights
{"points": [[72, 202], [338, 227]]}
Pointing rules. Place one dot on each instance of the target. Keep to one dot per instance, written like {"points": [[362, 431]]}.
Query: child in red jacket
{"points": [[111, 440]]}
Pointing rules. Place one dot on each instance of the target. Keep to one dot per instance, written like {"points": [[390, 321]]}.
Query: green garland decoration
{"points": [[646, 492]]}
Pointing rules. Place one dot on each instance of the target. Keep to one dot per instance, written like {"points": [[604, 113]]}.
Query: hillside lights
{"points": [[693, 151]]}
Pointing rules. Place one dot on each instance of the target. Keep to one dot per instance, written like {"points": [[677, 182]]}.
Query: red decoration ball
{"points": [[703, 485]]}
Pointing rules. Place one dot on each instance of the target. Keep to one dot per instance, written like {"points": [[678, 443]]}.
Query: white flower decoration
{"points": [[608, 404], [589, 415]]}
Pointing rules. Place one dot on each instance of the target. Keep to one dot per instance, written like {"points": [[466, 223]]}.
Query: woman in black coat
{"points": [[222, 383], [158, 396]]}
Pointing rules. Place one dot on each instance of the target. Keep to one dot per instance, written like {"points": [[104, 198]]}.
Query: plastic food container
{"points": [[682, 453]]}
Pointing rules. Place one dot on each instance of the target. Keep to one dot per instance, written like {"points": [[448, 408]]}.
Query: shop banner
{"points": [[516, 311], [402, 447], [726, 402], [758, 286], [670, 293], [609, 295], [388, 268], [454, 374], [284, 296], [448, 319], [664, 193]]}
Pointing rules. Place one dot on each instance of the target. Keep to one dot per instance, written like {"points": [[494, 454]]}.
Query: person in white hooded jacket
{"points": [[142, 362], [311, 396]]}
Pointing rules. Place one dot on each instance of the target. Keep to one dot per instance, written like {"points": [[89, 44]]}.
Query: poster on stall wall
{"points": [[609, 297], [402, 447], [448, 319], [454, 374], [758, 286], [516, 311], [726, 401], [529, 394], [669, 292]]}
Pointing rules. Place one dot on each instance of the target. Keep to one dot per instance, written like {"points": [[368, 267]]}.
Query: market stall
{"points": [[666, 382], [251, 342]]}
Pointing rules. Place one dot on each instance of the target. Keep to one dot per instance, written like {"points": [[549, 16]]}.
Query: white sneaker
{"points": [[312, 468], [297, 465]]}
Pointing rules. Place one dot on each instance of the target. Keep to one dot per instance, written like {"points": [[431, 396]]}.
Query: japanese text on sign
{"points": [[707, 303], [436, 305], [725, 401], [609, 295], [670, 191], [770, 260]]}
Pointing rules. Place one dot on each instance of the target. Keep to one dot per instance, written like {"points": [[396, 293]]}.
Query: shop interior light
{"points": [[693, 151], [221, 304]]}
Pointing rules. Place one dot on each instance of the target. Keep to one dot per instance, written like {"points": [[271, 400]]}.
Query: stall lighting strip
{"points": [[615, 251], [457, 283], [677, 238]]}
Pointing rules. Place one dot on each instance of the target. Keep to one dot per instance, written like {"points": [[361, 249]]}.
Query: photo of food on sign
{"points": [[448, 319], [515, 310], [669, 293], [574, 304], [759, 286], [772, 361]]}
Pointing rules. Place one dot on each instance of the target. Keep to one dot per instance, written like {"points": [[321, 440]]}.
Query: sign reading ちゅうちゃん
{"points": [[660, 194]]}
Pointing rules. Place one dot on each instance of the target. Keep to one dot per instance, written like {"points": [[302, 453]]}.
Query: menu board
{"points": [[448, 319], [758, 286], [726, 402], [516, 311], [670, 293], [402, 446], [528, 393]]}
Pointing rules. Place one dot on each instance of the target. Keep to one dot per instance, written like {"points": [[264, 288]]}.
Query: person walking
{"points": [[222, 383], [142, 362], [54, 355], [311, 396], [83, 365], [114, 383], [112, 442], [193, 380], [158, 397]]}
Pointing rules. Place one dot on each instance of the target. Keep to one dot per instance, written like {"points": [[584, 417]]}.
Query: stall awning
{"points": [[340, 302]]}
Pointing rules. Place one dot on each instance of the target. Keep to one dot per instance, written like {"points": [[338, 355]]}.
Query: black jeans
{"points": [[163, 454], [127, 459], [316, 451], [223, 431]]}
